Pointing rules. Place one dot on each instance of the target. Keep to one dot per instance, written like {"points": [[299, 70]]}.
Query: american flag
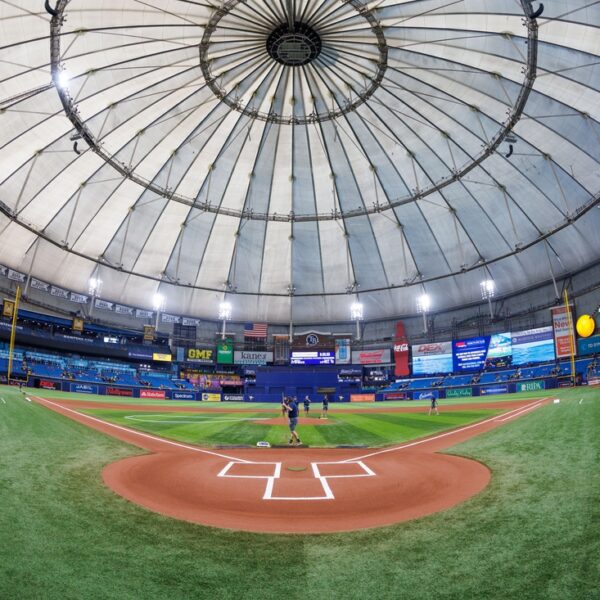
{"points": [[255, 330]]}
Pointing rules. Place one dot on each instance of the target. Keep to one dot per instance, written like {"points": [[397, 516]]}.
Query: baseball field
{"points": [[67, 530]]}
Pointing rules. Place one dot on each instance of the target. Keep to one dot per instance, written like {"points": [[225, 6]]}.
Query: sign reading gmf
{"points": [[200, 355]]}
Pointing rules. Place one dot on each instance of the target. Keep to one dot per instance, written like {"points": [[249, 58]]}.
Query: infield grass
{"points": [[532, 534], [222, 429]]}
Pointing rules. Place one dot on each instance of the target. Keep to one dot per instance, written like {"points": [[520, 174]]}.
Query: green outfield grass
{"points": [[533, 534], [217, 429]]}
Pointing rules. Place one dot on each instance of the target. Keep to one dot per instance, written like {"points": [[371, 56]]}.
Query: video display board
{"points": [[470, 354], [533, 345], [313, 357], [500, 351], [429, 359]]}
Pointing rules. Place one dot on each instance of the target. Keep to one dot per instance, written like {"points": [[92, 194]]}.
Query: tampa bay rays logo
{"points": [[312, 339]]}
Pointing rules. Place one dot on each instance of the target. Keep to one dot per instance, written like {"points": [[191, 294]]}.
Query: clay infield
{"points": [[297, 490]]}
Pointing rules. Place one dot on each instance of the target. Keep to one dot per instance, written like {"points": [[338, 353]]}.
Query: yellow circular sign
{"points": [[585, 326]]}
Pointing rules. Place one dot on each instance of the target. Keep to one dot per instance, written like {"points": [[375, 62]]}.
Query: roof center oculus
{"points": [[294, 46]]}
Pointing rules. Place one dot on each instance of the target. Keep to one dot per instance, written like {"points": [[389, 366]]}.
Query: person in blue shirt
{"points": [[291, 406]]}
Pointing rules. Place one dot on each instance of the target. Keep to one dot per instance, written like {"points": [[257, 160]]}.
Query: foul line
{"points": [[442, 435], [144, 435]]}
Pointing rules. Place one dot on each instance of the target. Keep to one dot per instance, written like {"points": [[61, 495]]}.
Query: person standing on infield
{"points": [[292, 412], [325, 407], [433, 404], [306, 405]]}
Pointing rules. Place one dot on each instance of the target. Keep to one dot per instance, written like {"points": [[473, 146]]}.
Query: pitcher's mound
{"points": [[301, 421]]}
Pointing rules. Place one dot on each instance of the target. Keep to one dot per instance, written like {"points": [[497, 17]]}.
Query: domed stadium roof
{"points": [[298, 154]]}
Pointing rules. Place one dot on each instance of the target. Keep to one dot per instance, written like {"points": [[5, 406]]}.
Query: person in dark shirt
{"points": [[433, 406], [306, 405], [325, 407], [291, 406]]}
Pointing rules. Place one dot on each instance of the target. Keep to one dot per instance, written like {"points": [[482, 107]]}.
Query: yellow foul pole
{"points": [[11, 347], [571, 335]]}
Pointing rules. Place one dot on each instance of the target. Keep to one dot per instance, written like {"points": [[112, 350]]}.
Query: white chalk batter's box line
{"points": [[270, 479]]}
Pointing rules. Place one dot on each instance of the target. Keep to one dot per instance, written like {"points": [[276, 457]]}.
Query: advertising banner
{"points": [[233, 397], [225, 352], [564, 336], [149, 333], [83, 388], [45, 384], [342, 351], [530, 386], [589, 345], [250, 357], [459, 392], [143, 314], [432, 358], [103, 304], [77, 324], [493, 389], [115, 391], [533, 345], [36, 284], [154, 394], [159, 357], [401, 368], [166, 318], [200, 355], [123, 310], [371, 357], [428, 395], [183, 395], [140, 353], [207, 397], [187, 322], [79, 298], [395, 396], [16, 276], [58, 292], [8, 308], [362, 397]]}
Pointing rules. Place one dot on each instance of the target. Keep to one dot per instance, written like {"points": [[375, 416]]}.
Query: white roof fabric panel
{"points": [[296, 162]]}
